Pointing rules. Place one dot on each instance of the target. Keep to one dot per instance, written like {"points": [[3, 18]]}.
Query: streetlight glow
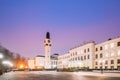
{"points": [[7, 63], [1, 56]]}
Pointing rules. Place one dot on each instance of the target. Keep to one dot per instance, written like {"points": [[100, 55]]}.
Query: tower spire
{"points": [[47, 35]]}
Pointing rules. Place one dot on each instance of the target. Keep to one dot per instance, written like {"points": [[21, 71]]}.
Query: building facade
{"points": [[31, 64], [105, 55], [39, 62]]}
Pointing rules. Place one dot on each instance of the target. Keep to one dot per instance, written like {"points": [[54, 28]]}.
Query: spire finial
{"points": [[47, 35]]}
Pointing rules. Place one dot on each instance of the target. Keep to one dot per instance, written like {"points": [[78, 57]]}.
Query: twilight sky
{"points": [[24, 23]]}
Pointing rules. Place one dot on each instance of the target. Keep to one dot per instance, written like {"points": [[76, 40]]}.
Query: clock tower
{"points": [[47, 46]]}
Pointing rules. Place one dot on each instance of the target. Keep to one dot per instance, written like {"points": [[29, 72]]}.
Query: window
{"points": [[118, 44], [48, 41], [119, 53], [100, 67], [95, 67], [88, 49], [101, 48], [118, 61], [78, 58], [84, 57], [96, 56], [106, 62], [112, 61], [118, 67], [101, 55], [81, 58], [112, 54], [112, 45], [112, 67], [101, 63], [106, 46], [106, 55], [46, 44], [96, 49], [88, 57], [106, 67], [85, 51], [96, 63], [76, 53]]}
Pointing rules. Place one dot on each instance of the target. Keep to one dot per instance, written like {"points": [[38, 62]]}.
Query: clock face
{"points": [[48, 41], [46, 44]]}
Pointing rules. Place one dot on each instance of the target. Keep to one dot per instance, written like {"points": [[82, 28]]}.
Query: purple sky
{"points": [[24, 23]]}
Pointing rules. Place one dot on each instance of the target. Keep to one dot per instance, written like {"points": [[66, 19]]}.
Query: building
{"points": [[39, 62], [63, 61], [105, 55], [31, 64], [54, 61], [89, 55]]}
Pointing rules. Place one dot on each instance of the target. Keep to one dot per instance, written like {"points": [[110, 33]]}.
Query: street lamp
{"points": [[1, 56], [8, 63]]}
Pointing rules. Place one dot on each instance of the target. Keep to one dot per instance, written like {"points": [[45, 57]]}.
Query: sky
{"points": [[24, 23]]}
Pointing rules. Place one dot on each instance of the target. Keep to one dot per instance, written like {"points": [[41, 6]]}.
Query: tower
{"points": [[47, 46]]}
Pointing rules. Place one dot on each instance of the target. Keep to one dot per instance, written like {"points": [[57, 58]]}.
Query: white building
{"points": [[81, 57], [107, 54], [39, 62], [104, 55], [31, 64], [54, 61], [63, 61]]}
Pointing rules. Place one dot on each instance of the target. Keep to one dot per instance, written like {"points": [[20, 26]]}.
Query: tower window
{"points": [[46, 44], [48, 41]]}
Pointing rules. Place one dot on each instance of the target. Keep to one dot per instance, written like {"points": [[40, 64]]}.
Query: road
{"points": [[39, 75]]}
